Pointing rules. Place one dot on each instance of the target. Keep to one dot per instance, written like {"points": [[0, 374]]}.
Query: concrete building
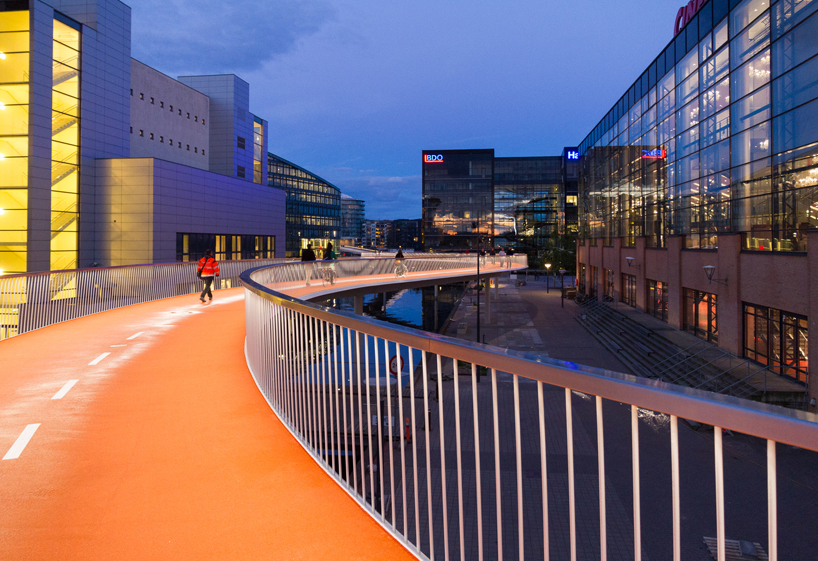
{"points": [[89, 175]]}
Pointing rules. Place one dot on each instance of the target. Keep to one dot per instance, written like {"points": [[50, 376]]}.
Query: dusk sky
{"points": [[353, 91]]}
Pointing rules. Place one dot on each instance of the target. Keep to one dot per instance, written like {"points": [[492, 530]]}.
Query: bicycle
{"points": [[400, 269], [328, 275]]}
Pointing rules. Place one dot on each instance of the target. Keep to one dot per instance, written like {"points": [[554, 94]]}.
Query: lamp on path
{"points": [[547, 276]]}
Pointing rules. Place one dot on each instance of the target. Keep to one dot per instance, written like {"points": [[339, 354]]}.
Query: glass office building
{"points": [[353, 214], [711, 159], [313, 206], [520, 203]]}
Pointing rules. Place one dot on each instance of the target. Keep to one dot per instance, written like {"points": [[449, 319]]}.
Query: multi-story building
{"points": [[313, 206], [377, 233], [471, 197], [106, 161], [352, 219], [406, 234], [699, 188]]}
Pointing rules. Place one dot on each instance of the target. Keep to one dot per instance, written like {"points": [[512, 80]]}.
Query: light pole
{"points": [[562, 287], [476, 226], [547, 277]]}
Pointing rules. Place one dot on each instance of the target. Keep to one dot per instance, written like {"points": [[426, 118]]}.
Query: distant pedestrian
{"points": [[308, 255], [329, 253], [493, 255], [509, 255], [502, 255], [207, 270]]}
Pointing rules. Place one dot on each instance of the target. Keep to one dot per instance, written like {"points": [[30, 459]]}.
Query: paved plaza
{"points": [[527, 318]]}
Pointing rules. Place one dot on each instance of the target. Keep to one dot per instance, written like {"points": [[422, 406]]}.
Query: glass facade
{"points": [[701, 314], [352, 218], [65, 149], [777, 339], [313, 206], [718, 135], [522, 203], [458, 199], [529, 202], [225, 247], [14, 106], [629, 289], [657, 299], [258, 150]]}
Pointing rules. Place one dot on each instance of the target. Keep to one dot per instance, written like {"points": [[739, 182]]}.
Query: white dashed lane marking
{"points": [[134, 336], [21, 442], [98, 359], [68, 385]]}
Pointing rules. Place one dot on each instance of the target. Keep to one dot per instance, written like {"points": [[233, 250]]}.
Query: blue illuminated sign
{"points": [[572, 154], [659, 153]]}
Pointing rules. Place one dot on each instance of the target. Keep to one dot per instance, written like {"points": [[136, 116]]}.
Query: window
{"points": [[629, 289], [179, 144], [141, 96], [161, 104], [195, 149], [701, 314], [131, 92], [180, 112], [608, 288], [202, 151], [171, 107], [131, 130], [240, 171], [196, 118], [141, 132], [152, 103], [777, 339], [188, 147], [188, 115], [657, 299], [162, 139], [151, 136], [170, 141], [202, 120], [241, 143]]}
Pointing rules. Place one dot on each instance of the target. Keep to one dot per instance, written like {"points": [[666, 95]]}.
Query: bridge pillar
{"points": [[436, 287], [359, 305], [497, 287]]}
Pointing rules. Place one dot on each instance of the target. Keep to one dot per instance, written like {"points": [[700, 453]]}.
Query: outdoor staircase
{"points": [[703, 365]]}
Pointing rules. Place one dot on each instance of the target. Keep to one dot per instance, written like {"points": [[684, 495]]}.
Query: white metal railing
{"points": [[34, 300], [359, 394]]}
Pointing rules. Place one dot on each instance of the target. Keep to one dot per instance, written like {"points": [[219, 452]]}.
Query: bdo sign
{"points": [[433, 158]]}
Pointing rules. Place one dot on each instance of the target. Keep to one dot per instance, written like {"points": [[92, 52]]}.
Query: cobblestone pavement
{"points": [[529, 319]]}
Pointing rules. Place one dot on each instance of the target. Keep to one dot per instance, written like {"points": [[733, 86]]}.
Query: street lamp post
{"points": [[547, 277], [562, 287]]}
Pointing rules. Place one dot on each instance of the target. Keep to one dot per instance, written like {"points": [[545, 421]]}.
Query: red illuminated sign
{"points": [[686, 13]]}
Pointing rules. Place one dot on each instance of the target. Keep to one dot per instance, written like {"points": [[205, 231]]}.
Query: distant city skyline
{"points": [[354, 91]]}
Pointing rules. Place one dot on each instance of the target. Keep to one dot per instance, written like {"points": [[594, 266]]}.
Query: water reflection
{"points": [[415, 307]]}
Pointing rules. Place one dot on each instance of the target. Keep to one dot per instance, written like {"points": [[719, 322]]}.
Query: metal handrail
{"points": [[31, 301], [289, 347]]}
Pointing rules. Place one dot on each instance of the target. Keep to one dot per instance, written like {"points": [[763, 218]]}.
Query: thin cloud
{"points": [[218, 36]]}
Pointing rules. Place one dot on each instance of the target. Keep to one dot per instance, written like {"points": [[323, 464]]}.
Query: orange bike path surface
{"points": [[164, 449]]}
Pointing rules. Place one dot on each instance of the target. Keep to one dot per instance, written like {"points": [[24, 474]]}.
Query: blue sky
{"points": [[353, 91]]}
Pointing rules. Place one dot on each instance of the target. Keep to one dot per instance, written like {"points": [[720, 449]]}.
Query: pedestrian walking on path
{"points": [[207, 270], [502, 255], [308, 255]]}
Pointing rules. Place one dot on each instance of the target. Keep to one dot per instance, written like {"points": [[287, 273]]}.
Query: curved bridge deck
{"points": [[151, 440]]}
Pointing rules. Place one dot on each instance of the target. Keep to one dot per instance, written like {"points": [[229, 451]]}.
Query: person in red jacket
{"points": [[208, 270]]}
